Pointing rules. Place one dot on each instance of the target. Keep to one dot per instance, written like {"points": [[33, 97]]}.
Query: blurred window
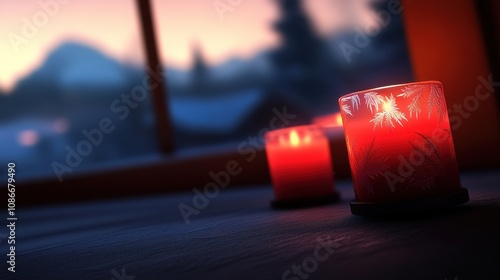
{"points": [[71, 73], [67, 98], [231, 63]]}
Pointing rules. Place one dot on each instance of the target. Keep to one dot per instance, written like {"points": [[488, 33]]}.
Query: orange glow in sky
{"points": [[30, 30]]}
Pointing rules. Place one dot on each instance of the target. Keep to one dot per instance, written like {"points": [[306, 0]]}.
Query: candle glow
{"points": [[299, 162]]}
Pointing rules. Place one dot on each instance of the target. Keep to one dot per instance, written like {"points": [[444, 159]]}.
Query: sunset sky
{"points": [[112, 27]]}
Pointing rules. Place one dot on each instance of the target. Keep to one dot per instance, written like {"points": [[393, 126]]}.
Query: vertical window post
{"points": [[160, 102]]}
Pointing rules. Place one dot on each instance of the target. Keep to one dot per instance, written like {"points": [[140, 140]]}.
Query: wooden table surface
{"points": [[238, 236]]}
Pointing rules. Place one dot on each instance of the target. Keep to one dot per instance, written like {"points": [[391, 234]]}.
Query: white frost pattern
{"points": [[372, 100], [415, 91], [389, 115], [355, 101], [419, 100], [346, 109], [386, 111], [436, 102]]}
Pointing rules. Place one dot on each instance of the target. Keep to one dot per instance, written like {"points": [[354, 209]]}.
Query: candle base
{"points": [[410, 206], [305, 202]]}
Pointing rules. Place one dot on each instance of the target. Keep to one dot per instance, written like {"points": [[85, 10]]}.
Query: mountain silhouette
{"points": [[72, 69], [73, 65]]}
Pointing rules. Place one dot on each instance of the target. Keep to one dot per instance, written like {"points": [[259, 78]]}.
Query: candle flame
{"points": [[387, 106], [339, 119], [294, 138]]}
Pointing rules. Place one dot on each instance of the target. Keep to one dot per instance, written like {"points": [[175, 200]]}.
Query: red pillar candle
{"points": [[401, 149], [331, 125], [300, 165], [330, 120]]}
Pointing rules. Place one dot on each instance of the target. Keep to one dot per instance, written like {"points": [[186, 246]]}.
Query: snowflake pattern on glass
{"points": [[424, 96], [389, 114], [373, 100], [386, 111], [354, 103], [369, 163], [431, 166]]}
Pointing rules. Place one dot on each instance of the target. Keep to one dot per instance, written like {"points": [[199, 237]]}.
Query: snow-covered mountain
{"points": [[76, 79], [73, 65]]}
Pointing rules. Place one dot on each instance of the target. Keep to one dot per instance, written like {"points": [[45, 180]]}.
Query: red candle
{"points": [[400, 143], [300, 163], [331, 120], [331, 125]]}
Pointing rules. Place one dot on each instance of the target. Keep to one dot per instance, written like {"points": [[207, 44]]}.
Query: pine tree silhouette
{"points": [[199, 70], [301, 62]]}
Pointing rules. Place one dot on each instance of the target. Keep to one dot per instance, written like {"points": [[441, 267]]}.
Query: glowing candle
{"points": [[331, 125], [300, 165], [401, 149], [331, 120]]}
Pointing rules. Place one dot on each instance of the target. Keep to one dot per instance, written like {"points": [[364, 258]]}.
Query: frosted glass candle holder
{"points": [[400, 149]]}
